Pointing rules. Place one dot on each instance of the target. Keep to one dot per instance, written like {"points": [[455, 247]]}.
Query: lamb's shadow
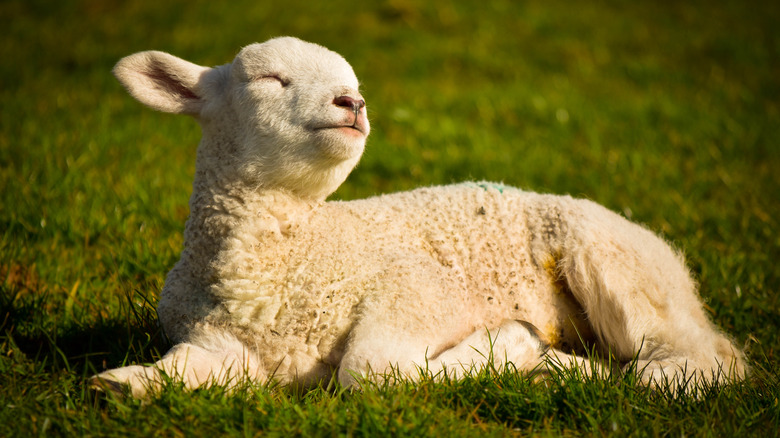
{"points": [[131, 335]]}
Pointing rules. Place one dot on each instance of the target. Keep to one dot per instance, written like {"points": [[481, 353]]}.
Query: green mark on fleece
{"points": [[491, 185]]}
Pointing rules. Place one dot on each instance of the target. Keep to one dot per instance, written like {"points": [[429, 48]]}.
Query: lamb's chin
{"points": [[341, 143]]}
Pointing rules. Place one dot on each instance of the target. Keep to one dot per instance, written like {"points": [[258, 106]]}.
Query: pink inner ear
{"points": [[168, 82]]}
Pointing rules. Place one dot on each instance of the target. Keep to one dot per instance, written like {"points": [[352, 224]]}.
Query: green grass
{"points": [[668, 112]]}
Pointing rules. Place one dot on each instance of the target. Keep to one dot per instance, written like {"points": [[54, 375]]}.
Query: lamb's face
{"points": [[302, 119], [285, 114]]}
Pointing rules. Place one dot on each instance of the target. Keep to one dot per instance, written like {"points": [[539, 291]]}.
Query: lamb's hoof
{"points": [[129, 381], [105, 385], [544, 343]]}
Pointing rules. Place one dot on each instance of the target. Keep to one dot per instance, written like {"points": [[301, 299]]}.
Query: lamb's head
{"points": [[284, 114]]}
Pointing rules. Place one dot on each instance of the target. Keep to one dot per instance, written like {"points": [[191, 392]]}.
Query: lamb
{"points": [[275, 283]]}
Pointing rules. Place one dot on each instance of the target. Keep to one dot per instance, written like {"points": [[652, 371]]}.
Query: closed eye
{"points": [[277, 78]]}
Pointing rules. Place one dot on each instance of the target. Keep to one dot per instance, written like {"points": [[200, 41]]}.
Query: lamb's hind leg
{"points": [[193, 365], [641, 300]]}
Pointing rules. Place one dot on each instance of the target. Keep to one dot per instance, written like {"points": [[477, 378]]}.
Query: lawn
{"points": [[667, 112]]}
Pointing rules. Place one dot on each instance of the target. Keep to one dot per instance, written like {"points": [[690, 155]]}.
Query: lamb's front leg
{"points": [[191, 364], [515, 342]]}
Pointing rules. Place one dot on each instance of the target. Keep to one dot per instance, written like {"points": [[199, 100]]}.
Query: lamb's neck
{"points": [[222, 209]]}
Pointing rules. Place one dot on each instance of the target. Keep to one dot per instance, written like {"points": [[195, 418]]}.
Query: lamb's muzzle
{"points": [[349, 102]]}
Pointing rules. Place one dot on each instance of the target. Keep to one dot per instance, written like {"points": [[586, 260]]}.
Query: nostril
{"points": [[348, 102]]}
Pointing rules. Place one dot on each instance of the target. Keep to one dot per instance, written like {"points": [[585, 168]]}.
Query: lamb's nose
{"points": [[348, 102]]}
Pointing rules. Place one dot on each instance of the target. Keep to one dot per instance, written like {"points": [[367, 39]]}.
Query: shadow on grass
{"points": [[131, 335]]}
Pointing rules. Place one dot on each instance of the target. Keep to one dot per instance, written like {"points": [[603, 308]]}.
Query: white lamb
{"points": [[275, 283]]}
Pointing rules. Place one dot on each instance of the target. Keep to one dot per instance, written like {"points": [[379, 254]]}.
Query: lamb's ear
{"points": [[162, 81]]}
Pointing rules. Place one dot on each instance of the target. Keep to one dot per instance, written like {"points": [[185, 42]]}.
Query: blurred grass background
{"points": [[667, 112]]}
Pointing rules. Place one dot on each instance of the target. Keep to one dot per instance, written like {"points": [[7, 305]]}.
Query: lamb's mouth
{"points": [[347, 127]]}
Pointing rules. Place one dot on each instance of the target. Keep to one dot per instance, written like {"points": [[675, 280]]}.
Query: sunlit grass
{"points": [[666, 112]]}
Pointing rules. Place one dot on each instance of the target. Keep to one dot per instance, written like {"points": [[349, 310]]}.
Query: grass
{"points": [[667, 112]]}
